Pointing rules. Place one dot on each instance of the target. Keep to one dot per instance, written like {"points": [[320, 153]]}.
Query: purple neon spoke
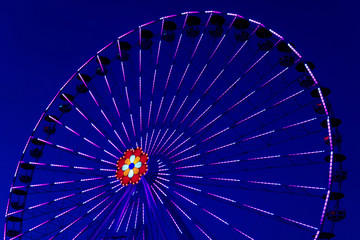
{"points": [[200, 116], [171, 142], [126, 133], [67, 166], [83, 155], [158, 113], [167, 112], [164, 144], [187, 186], [218, 161], [80, 232], [160, 189], [67, 99], [132, 124], [246, 206], [244, 234], [193, 54], [122, 142], [63, 182], [89, 141], [182, 104], [162, 184], [192, 108], [140, 118], [107, 119], [111, 224], [175, 54], [155, 147], [140, 70], [102, 211], [149, 113], [109, 215], [179, 145], [93, 97], [82, 114], [127, 225], [185, 150], [183, 159], [229, 87], [143, 213], [122, 215], [102, 69], [215, 216], [64, 212], [246, 181], [253, 115], [157, 195], [212, 83], [177, 226], [137, 212], [180, 210], [122, 64], [93, 125], [203, 232], [151, 138]]}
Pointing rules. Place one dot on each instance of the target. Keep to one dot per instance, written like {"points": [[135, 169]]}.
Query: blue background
{"points": [[43, 42]]}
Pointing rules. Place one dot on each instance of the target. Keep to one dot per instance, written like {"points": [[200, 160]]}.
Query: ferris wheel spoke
{"points": [[243, 75], [112, 96], [168, 74], [249, 151], [230, 225], [209, 60], [98, 229], [183, 74], [122, 215], [152, 208], [247, 137], [102, 132], [62, 210], [216, 78], [72, 169], [60, 184], [79, 154], [147, 148], [250, 208], [254, 185], [66, 211], [217, 99], [127, 92], [247, 95], [160, 147], [166, 201], [256, 136], [245, 119], [84, 138], [155, 147], [93, 220], [78, 192], [80, 218], [101, 107]]}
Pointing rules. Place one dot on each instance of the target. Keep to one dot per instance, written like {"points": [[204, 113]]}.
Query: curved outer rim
{"points": [[328, 112]]}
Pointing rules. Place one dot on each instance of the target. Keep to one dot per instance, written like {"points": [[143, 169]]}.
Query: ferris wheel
{"points": [[201, 125]]}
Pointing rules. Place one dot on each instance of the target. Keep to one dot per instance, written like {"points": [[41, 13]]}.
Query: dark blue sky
{"points": [[43, 43]]}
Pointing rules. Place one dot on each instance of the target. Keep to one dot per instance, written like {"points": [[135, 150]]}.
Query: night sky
{"points": [[44, 42]]}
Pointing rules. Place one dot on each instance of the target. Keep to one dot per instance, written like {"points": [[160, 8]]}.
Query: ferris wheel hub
{"points": [[132, 166]]}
